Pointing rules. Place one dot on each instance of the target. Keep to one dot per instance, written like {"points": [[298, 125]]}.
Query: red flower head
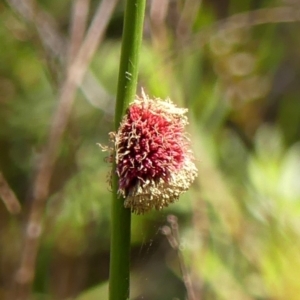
{"points": [[153, 157]]}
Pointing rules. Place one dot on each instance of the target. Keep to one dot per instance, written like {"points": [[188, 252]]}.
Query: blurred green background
{"points": [[238, 74]]}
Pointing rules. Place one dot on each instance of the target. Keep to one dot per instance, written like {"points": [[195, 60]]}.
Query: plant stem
{"points": [[121, 216]]}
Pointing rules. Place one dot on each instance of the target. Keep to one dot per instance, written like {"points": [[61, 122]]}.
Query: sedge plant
{"points": [[153, 162]]}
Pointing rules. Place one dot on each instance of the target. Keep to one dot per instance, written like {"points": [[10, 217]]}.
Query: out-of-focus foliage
{"points": [[239, 225]]}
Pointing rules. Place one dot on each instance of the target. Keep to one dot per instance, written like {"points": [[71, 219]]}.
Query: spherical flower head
{"points": [[154, 162]]}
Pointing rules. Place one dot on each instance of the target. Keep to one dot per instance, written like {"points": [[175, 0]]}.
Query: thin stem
{"points": [[172, 234], [80, 11], [8, 196], [121, 217]]}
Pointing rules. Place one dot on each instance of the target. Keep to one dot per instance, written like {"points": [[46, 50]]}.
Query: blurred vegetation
{"points": [[239, 226]]}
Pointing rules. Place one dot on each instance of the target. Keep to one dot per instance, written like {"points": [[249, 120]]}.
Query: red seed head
{"points": [[154, 163]]}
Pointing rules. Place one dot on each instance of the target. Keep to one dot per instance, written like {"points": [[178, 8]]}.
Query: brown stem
{"points": [[78, 26], [187, 17], [172, 234], [8, 196]]}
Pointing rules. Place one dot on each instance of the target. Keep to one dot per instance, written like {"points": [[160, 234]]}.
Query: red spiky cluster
{"points": [[151, 146], [153, 160]]}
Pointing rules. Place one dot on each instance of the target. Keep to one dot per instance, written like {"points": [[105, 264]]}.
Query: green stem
{"points": [[121, 217]]}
